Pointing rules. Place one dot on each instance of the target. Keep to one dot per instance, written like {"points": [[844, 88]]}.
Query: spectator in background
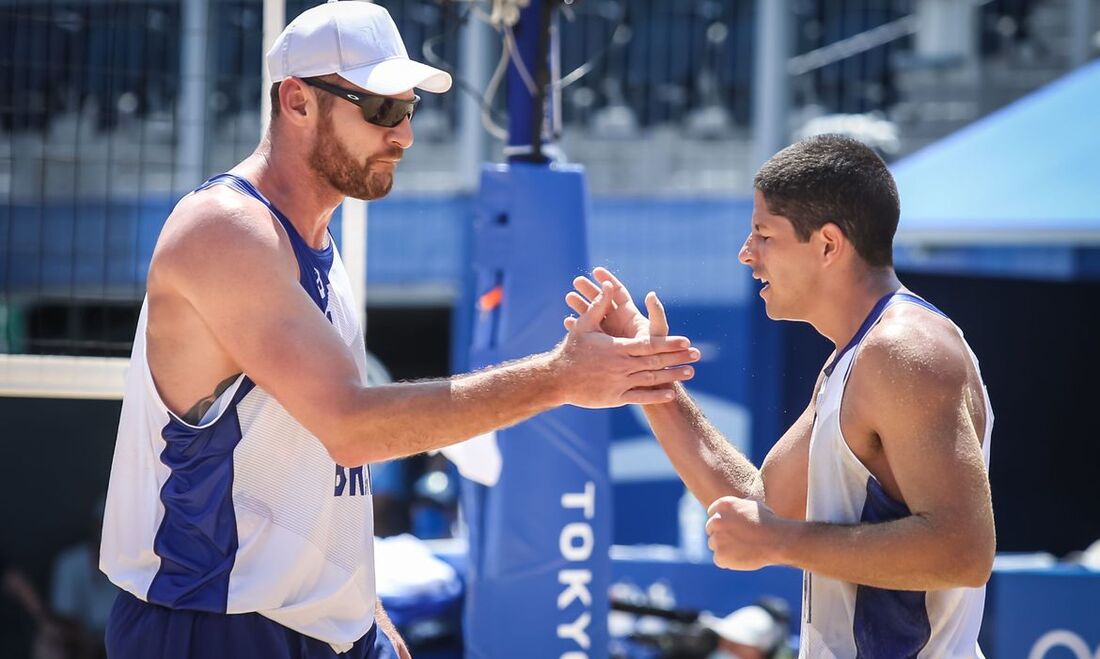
{"points": [[434, 505], [15, 585], [80, 593], [52, 638], [759, 631]]}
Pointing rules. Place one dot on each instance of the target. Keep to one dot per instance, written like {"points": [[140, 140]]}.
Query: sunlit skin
{"points": [[307, 163], [821, 281], [926, 455], [225, 297], [781, 262], [361, 168], [318, 150], [338, 152]]}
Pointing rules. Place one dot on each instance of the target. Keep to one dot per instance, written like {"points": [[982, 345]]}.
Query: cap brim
{"points": [[397, 75]]}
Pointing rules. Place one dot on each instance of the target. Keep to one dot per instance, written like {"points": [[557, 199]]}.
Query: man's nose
{"points": [[745, 256], [402, 134]]}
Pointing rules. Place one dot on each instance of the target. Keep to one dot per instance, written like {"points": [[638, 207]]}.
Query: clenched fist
{"points": [[745, 534]]}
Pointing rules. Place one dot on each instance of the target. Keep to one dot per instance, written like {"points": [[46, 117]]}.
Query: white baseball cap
{"points": [[357, 40]]}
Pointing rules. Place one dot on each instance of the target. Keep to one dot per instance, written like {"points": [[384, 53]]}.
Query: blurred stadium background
{"points": [[110, 110], [114, 109]]}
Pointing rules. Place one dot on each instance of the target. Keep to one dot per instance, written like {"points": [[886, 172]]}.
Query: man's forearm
{"points": [[705, 460], [397, 420], [905, 554]]}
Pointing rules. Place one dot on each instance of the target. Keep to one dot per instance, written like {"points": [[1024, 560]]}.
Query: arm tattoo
{"points": [[194, 415]]}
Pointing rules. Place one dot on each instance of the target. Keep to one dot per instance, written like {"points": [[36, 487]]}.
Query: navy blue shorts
{"points": [[138, 629]]}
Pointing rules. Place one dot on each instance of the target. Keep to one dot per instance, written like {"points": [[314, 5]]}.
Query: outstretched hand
{"points": [[624, 319], [599, 370]]}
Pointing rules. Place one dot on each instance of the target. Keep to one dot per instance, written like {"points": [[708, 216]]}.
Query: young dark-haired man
{"points": [[879, 491]]}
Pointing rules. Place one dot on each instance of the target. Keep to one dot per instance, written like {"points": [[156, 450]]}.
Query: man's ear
{"points": [[832, 242], [295, 101]]}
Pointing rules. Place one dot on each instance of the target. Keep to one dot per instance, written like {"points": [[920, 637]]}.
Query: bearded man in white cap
{"points": [[238, 519]]}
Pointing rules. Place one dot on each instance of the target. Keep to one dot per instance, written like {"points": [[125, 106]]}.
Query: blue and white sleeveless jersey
{"points": [[842, 620], [245, 512]]}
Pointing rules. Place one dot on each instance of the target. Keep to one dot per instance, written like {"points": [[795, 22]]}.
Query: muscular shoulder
{"points": [[217, 219], [218, 231], [912, 352]]}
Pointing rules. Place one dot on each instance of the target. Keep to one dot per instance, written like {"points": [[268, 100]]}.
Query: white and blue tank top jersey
{"points": [[246, 511], [842, 620]]}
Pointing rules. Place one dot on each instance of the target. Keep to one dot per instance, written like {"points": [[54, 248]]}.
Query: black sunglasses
{"points": [[384, 111]]}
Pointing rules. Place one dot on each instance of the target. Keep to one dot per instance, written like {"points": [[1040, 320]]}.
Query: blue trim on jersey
{"points": [[197, 539], [902, 296], [313, 264], [876, 311], [888, 624]]}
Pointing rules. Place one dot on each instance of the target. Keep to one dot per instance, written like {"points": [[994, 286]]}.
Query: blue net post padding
{"points": [[539, 567]]}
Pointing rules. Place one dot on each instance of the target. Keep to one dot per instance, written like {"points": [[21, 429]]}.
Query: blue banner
{"points": [[1050, 613], [539, 566]]}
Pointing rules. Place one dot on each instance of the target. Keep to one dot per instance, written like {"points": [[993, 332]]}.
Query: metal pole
{"points": [[353, 251], [948, 28], [274, 22], [1080, 22], [191, 118], [771, 90], [530, 96], [475, 70]]}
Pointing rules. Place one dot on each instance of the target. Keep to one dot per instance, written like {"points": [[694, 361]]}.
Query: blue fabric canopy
{"points": [[1026, 174]]}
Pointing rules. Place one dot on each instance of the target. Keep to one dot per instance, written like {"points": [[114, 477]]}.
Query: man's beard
{"points": [[351, 178]]}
